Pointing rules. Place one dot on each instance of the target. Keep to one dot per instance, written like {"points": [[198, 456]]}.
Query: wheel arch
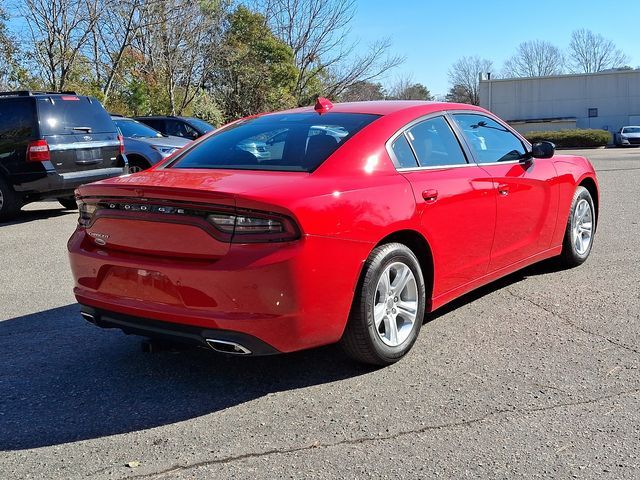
{"points": [[590, 184], [422, 250], [137, 156]]}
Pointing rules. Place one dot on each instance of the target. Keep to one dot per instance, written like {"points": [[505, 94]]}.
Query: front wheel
{"points": [[581, 226], [388, 308]]}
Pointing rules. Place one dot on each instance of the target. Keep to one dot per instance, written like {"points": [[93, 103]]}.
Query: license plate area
{"points": [[89, 156]]}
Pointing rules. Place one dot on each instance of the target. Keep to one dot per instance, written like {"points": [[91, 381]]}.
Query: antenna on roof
{"points": [[323, 105]]}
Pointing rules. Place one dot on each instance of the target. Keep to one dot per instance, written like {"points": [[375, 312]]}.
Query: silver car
{"points": [[145, 146], [627, 136]]}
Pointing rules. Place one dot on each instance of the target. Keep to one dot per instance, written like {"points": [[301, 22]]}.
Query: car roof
{"points": [[387, 107]]}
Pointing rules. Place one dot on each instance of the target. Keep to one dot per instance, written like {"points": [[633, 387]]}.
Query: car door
{"points": [[525, 189], [454, 198]]}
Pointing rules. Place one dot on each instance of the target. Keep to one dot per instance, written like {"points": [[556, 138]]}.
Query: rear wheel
{"points": [[9, 201], [137, 165], [581, 226], [69, 203], [388, 309]]}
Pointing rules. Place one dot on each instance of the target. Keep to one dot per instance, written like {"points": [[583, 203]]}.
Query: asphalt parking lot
{"points": [[537, 375]]}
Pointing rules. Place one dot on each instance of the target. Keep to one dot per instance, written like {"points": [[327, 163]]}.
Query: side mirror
{"points": [[543, 150]]}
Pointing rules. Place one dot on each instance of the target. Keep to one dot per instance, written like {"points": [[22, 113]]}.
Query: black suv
{"points": [[50, 143], [185, 127]]}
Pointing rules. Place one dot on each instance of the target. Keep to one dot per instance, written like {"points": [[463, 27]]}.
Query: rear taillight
{"points": [[38, 151], [121, 140], [86, 211], [254, 227]]}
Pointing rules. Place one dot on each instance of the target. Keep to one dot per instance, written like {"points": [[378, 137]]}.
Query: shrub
{"points": [[572, 138]]}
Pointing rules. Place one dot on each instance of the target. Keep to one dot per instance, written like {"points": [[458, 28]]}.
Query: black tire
{"points": [[361, 340], [69, 203], [137, 165], [10, 202], [571, 256]]}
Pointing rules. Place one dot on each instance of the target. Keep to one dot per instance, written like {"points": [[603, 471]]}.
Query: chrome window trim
{"points": [[403, 131]]}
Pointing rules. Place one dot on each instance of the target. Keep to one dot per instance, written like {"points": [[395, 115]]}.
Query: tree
{"points": [[536, 58], [317, 32], [8, 52], [406, 89], [252, 70], [464, 76], [590, 52], [58, 31], [363, 91]]}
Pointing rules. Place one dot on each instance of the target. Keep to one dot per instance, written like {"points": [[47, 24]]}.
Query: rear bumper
{"points": [[288, 296], [176, 332], [51, 183]]}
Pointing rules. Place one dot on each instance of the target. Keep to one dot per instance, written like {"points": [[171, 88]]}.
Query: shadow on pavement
{"points": [[25, 216], [64, 380], [542, 268]]}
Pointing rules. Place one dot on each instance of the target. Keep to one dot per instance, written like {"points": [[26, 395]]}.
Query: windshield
{"points": [[71, 114], [286, 142], [631, 130], [134, 129], [201, 125]]}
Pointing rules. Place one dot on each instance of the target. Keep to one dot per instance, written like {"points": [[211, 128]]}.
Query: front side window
{"points": [[178, 128], [285, 142], [490, 141], [435, 144]]}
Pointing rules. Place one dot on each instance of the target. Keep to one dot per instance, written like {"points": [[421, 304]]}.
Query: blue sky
{"points": [[433, 34]]}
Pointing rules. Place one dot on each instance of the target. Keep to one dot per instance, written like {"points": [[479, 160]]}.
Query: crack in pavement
{"points": [[572, 324], [393, 436]]}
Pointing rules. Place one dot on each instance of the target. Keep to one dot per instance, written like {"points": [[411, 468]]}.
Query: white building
{"points": [[606, 100]]}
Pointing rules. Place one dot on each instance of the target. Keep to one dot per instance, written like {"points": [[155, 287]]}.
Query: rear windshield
{"points": [[286, 141], [133, 129], [70, 114], [201, 125]]}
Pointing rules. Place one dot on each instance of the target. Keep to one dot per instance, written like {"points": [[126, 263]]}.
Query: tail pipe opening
{"points": [[224, 346]]}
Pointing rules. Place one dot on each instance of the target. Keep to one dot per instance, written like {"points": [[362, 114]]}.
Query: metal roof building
{"points": [[605, 100]]}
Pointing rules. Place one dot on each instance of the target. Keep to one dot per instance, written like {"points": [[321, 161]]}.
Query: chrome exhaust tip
{"points": [[224, 346], [88, 317]]}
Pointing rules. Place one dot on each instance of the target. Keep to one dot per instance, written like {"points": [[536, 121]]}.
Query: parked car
{"points": [[50, 143], [627, 136], [185, 127], [346, 240], [143, 145]]}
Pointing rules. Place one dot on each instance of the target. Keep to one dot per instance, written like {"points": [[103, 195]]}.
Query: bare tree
{"points": [[112, 36], [363, 91], [464, 76], [405, 88], [590, 52], [175, 41], [535, 58], [8, 51], [318, 34], [59, 30]]}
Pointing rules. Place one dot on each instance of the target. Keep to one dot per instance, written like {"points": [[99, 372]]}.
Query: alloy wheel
{"points": [[582, 226], [396, 304]]}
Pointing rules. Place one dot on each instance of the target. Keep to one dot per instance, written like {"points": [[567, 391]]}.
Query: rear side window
{"points": [[490, 141], [403, 153], [17, 119], [435, 144], [70, 114], [287, 142]]}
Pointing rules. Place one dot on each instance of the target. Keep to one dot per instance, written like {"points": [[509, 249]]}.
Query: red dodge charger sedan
{"points": [[334, 223]]}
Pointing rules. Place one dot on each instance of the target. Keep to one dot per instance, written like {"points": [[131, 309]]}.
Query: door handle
{"points": [[430, 196], [503, 189]]}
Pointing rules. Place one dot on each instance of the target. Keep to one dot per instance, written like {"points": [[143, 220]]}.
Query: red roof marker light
{"points": [[323, 105]]}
